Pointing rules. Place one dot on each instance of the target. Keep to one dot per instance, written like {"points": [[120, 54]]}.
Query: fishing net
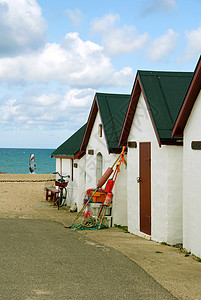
{"points": [[93, 216]]}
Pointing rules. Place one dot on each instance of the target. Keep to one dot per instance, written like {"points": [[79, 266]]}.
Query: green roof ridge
{"points": [[164, 92], [112, 108]]}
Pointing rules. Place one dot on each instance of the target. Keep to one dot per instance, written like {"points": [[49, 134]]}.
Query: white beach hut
{"points": [[188, 125], [70, 161], [100, 142], [154, 182]]}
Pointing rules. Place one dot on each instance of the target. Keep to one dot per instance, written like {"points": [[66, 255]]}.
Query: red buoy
{"points": [[108, 199], [109, 185]]}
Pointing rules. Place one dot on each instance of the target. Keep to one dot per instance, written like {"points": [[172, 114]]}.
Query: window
{"points": [[99, 166], [100, 128]]}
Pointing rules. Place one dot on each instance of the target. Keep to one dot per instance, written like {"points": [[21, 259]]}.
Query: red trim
{"points": [[79, 155], [115, 151], [90, 122], [130, 112], [135, 95], [188, 103], [103, 127]]}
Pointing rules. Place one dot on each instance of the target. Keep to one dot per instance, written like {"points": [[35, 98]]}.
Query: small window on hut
{"points": [[100, 128], [99, 166]]}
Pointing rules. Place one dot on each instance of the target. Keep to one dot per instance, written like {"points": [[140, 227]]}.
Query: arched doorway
{"points": [[99, 166]]}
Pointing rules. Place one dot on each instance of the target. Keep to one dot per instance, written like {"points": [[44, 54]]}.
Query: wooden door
{"points": [[145, 188]]}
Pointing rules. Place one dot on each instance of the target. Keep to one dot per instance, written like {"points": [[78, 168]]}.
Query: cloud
{"points": [[9, 111], [154, 6], [47, 110], [22, 26], [45, 100], [78, 98], [74, 62], [118, 40], [193, 48], [75, 16], [162, 46]]}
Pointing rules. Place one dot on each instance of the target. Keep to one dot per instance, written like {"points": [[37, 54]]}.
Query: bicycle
{"points": [[62, 184]]}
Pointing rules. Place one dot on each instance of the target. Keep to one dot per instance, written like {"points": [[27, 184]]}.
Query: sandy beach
{"points": [[23, 196]]}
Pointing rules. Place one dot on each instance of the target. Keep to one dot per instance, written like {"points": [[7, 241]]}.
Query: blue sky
{"points": [[55, 55]]}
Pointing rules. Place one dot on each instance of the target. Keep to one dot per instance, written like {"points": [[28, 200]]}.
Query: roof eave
{"points": [[90, 122], [103, 127], [189, 100], [135, 94], [172, 142], [62, 156], [115, 151], [137, 90], [79, 154]]}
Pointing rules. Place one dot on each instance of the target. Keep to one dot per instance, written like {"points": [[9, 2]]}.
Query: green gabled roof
{"points": [[164, 92], [112, 108], [72, 145]]}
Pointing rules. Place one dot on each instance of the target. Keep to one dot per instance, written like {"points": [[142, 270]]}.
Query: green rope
{"points": [[88, 224]]}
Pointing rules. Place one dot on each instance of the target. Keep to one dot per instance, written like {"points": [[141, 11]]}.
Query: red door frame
{"points": [[145, 187]]}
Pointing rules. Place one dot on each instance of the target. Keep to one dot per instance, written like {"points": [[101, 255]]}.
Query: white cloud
{"points": [[22, 26], [154, 6], [74, 62], [78, 98], [193, 48], [9, 111], [47, 110], [46, 100], [75, 16], [163, 46], [118, 39]]}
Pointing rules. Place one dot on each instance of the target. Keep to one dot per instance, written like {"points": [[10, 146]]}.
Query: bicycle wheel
{"points": [[59, 201]]}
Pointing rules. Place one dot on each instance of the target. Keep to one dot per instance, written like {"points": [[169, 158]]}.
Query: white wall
{"points": [[77, 185], [98, 144], [166, 184], [175, 195], [79, 181], [192, 182]]}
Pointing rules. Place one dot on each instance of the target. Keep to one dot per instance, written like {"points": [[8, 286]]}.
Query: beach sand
{"points": [[23, 196]]}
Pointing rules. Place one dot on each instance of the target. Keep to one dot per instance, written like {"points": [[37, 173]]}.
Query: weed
{"points": [[158, 252], [124, 228], [179, 246], [196, 258]]}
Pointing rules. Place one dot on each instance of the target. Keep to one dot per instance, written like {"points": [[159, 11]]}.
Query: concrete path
{"points": [[42, 260]]}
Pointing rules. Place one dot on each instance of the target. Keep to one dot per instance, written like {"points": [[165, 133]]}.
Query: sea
{"points": [[16, 161]]}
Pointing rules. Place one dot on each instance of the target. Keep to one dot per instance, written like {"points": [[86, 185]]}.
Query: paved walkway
{"points": [[43, 260]]}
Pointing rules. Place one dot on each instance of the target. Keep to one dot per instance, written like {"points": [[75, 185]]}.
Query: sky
{"points": [[55, 55]]}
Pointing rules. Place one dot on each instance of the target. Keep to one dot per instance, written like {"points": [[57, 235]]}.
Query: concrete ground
{"points": [[170, 267], [43, 260]]}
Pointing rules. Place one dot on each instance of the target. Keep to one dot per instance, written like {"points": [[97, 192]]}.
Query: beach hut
{"points": [[100, 142], [188, 126], [70, 161], [154, 182]]}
